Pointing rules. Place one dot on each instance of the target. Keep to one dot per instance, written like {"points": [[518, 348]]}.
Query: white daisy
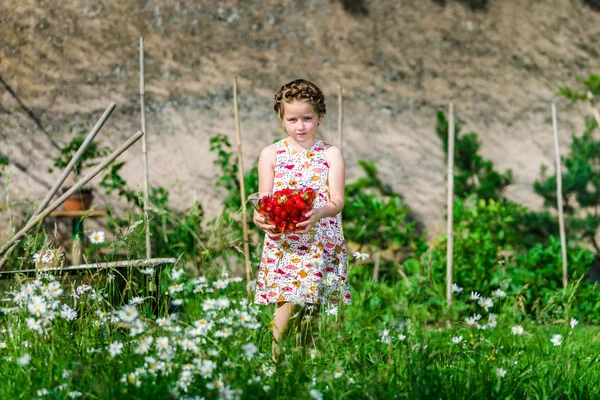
{"points": [[457, 339], [517, 330], [556, 340], [96, 237], [500, 372]]}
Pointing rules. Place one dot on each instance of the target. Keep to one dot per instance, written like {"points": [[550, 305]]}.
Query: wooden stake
{"points": [[90, 137], [340, 118], [559, 197], [450, 241], [66, 171], [53, 206], [145, 151], [238, 139]]}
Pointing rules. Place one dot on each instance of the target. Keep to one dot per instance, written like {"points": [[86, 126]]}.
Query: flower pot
{"points": [[79, 201]]}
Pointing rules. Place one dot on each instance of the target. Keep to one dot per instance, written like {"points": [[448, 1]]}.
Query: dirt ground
{"points": [[397, 62]]}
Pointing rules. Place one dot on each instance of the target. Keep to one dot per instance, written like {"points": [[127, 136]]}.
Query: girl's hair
{"points": [[300, 90]]}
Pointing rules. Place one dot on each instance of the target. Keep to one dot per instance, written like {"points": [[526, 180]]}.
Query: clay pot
{"points": [[79, 201]]}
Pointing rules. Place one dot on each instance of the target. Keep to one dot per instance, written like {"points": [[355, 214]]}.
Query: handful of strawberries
{"points": [[286, 207]]}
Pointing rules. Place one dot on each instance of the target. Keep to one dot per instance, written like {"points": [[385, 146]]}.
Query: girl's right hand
{"points": [[268, 229]]}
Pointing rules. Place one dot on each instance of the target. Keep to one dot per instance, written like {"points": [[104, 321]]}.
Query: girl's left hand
{"points": [[313, 216]]}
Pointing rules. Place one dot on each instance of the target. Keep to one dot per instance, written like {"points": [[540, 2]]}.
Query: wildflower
{"points": [[175, 288], [517, 330], [47, 257], [556, 340], [492, 321], [385, 336], [338, 373], [401, 337], [573, 323], [147, 271], [53, 290], [250, 349], [2, 345], [361, 256], [456, 288], [177, 302], [97, 237], [74, 394], [457, 339], [24, 360], [331, 311], [220, 284], [42, 392], [315, 394], [37, 258], [206, 368], [34, 325], [474, 296], [68, 313], [128, 313], [115, 348], [500, 372], [37, 306], [136, 300], [499, 293], [176, 273], [485, 303], [470, 321]]}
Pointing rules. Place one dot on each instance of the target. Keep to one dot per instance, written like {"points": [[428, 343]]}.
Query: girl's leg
{"points": [[280, 321]]}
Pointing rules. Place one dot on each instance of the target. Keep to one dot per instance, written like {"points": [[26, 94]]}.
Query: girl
{"points": [[309, 265]]}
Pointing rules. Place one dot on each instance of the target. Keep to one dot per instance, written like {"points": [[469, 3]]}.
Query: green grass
{"points": [[358, 353]]}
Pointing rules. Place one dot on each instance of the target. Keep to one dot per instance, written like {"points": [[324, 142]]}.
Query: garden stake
{"points": [[76, 157], [450, 241], [340, 118], [53, 206], [66, 171], [144, 151], [559, 198], [238, 139]]}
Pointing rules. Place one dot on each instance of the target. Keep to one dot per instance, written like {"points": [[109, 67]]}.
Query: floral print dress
{"points": [[304, 268]]}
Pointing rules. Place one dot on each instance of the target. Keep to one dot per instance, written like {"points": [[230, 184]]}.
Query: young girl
{"points": [[309, 265]]}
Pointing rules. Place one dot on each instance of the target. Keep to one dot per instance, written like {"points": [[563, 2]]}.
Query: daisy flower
{"points": [[517, 330], [96, 237]]}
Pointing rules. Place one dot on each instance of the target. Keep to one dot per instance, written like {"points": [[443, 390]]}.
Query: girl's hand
{"points": [[261, 222], [313, 216]]}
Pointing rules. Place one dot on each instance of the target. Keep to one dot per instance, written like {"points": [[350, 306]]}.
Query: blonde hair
{"points": [[300, 89]]}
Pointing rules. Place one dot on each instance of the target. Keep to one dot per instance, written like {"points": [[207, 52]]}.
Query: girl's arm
{"points": [[337, 183], [266, 164]]}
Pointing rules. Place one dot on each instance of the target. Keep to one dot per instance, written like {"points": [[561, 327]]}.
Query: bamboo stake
{"points": [[66, 171], [145, 151], [116, 264], [561, 218], [53, 206], [450, 242], [340, 118], [76, 157], [238, 138]]}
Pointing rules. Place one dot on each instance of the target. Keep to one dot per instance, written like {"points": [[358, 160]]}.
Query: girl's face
{"points": [[300, 121]]}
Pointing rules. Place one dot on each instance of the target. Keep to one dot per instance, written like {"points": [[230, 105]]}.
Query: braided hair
{"points": [[300, 89]]}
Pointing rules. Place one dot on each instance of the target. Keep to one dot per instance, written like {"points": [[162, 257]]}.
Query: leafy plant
{"points": [[374, 216], [581, 186], [90, 156], [473, 173]]}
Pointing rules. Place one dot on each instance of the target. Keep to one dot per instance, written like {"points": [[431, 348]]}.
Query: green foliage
{"points": [[89, 158], [473, 173], [173, 233], [3, 164], [374, 215], [537, 276], [581, 186], [228, 178], [591, 84]]}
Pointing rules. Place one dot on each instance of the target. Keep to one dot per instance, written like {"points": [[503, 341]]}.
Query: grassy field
{"points": [[65, 339]]}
